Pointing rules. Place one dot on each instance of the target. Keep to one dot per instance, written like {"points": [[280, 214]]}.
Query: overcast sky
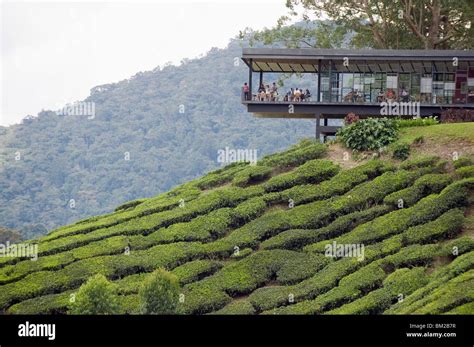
{"points": [[54, 52]]}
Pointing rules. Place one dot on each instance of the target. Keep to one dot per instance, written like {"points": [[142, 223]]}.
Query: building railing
{"points": [[362, 98]]}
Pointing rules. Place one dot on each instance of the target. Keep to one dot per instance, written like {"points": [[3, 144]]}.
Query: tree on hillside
{"points": [[159, 293], [410, 24], [96, 296], [10, 235]]}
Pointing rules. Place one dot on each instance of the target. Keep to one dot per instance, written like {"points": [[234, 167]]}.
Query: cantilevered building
{"points": [[360, 81]]}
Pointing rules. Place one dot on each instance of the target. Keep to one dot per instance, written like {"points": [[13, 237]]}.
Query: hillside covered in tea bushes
{"points": [[252, 239]]}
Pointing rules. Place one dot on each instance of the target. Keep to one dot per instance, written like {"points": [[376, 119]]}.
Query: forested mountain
{"points": [[151, 132]]}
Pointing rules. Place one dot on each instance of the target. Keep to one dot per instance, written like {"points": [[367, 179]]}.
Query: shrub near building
{"points": [[369, 134]]}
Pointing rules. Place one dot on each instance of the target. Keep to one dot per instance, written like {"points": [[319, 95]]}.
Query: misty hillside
{"points": [[58, 169]]}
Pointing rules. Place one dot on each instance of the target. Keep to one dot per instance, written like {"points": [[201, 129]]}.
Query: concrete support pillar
{"points": [[318, 127]]}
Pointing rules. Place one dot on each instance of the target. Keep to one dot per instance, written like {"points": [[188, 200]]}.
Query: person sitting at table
{"points": [[380, 96], [267, 93], [355, 95], [348, 96], [273, 91], [390, 94], [404, 94], [307, 95], [261, 93], [291, 94], [297, 95]]}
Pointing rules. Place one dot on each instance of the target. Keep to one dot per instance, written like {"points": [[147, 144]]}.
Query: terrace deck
{"points": [[440, 79], [331, 110]]}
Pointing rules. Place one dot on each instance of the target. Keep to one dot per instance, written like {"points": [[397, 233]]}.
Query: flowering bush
{"points": [[351, 118]]}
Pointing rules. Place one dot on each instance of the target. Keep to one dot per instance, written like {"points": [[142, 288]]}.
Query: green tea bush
{"points": [[202, 297], [413, 255], [458, 246], [449, 294], [202, 228], [463, 161], [337, 185], [444, 226], [114, 266], [239, 307], [46, 304], [401, 151], [219, 177], [129, 204], [297, 238], [398, 221], [251, 174], [245, 275], [195, 270], [300, 267], [267, 298], [375, 191], [419, 162], [461, 264], [350, 287], [240, 254], [423, 186], [369, 134], [405, 281], [463, 309], [158, 204], [313, 171], [297, 155], [366, 278], [372, 303], [130, 284], [332, 298], [465, 171], [249, 210]]}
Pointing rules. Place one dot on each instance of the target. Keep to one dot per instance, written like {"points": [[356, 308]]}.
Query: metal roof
{"points": [[362, 60]]}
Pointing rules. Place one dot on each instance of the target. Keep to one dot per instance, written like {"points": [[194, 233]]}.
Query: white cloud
{"points": [[54, 52]]}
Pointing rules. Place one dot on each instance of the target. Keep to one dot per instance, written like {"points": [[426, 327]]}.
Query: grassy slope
{"points": [[238, 247], [442, 139], [443, 133]]}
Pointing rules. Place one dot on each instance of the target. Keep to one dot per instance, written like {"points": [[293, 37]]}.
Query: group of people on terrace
{"points": [[270, 93], [389, 95]]}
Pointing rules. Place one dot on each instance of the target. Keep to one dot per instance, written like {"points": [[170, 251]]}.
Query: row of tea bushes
{"points": [[202, 228], [249, 273], [427, 209], [312, 172], [462, 263]]}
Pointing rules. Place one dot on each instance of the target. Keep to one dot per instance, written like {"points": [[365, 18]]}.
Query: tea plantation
{"points": [[254, 240]]}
